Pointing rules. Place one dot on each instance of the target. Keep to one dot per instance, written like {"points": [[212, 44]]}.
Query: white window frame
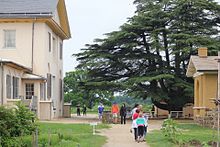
{"points": [[43, 91], [8, 86], [49, 41], [15, 82], [29, 90], [49, 86], [61, 50], [6, 37]]}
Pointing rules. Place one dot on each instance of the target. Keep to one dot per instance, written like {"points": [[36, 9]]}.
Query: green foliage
{"points": [[25, 120], [148, 56], [190, 133], [7, 122], [15, 122], [170, 130], [79, 91]]}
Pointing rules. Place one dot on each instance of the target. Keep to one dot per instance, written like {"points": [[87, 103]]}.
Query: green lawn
{"points": [[188, 132], [67, 135]]}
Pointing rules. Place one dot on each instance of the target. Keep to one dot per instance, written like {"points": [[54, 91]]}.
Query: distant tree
{"points": [[148, 56], [78, 91]]}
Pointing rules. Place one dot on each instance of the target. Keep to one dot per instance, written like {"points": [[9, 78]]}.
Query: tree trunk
{"points": [[166, 47]]}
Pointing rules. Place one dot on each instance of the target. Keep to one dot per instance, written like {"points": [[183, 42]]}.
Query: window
{"points": [[15, 87], [53, 88], [8, 86], [61, 90], [61, 51], [48, 86], [54, 45], [10, 38], [29, 87], [49, 41], [42, 91]]}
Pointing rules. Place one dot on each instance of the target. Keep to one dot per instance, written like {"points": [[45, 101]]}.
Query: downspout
{"points": [[2, 77], [32, 46]]}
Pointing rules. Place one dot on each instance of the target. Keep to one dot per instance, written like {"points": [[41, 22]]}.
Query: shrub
{"points": [[7, 122], [170, 130], [15, 122], [25, 120]]}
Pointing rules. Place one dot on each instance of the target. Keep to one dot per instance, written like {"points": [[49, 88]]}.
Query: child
{"points": [[145, 126], [140, 124]]}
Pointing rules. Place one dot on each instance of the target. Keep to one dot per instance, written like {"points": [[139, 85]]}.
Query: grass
{"points": [[67, 135], [189, 132]]}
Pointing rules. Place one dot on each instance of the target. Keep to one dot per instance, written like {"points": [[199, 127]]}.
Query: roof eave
{"points": [[16, 66], [26, 15], [57, 29], [65, 22]]}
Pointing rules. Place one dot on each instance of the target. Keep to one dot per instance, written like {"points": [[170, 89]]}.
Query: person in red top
{"points": [[134, 124], [115, 111]]}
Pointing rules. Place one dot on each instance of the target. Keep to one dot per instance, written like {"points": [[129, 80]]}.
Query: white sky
{"points": [[90, 19]]}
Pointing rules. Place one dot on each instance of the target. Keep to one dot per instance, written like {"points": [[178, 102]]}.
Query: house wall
{"points": [[188, 110], [210, 88], [43, 61], [46, 112], [22, 53], [49, 62], [205, 87]]}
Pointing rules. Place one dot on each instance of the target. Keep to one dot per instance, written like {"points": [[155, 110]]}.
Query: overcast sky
{"points": [[90, 19]]}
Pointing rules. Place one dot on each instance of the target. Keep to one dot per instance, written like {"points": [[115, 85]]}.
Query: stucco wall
{"points": [[22, 53], [45, 113], [210, 89], [205, 87]]}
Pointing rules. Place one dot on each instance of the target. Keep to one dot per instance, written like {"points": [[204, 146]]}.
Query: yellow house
{"points": [[204, 70], [31, 54]]}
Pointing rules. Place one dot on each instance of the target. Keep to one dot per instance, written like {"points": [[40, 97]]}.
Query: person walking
{"points": [[78, 110], [84, 110], [133, 111], [134, 124], [123, 113], [140, 121], [100, 110], [115, 111], [145, 126]]}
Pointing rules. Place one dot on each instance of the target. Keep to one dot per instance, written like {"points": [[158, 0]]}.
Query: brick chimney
{"points": [[203, 52]]}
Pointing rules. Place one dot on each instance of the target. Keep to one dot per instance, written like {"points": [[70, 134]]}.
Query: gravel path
{"points": [[119, 135]]}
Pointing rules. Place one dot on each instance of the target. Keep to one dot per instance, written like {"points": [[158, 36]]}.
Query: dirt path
{"points": [[90, 118], [119, 135]]}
